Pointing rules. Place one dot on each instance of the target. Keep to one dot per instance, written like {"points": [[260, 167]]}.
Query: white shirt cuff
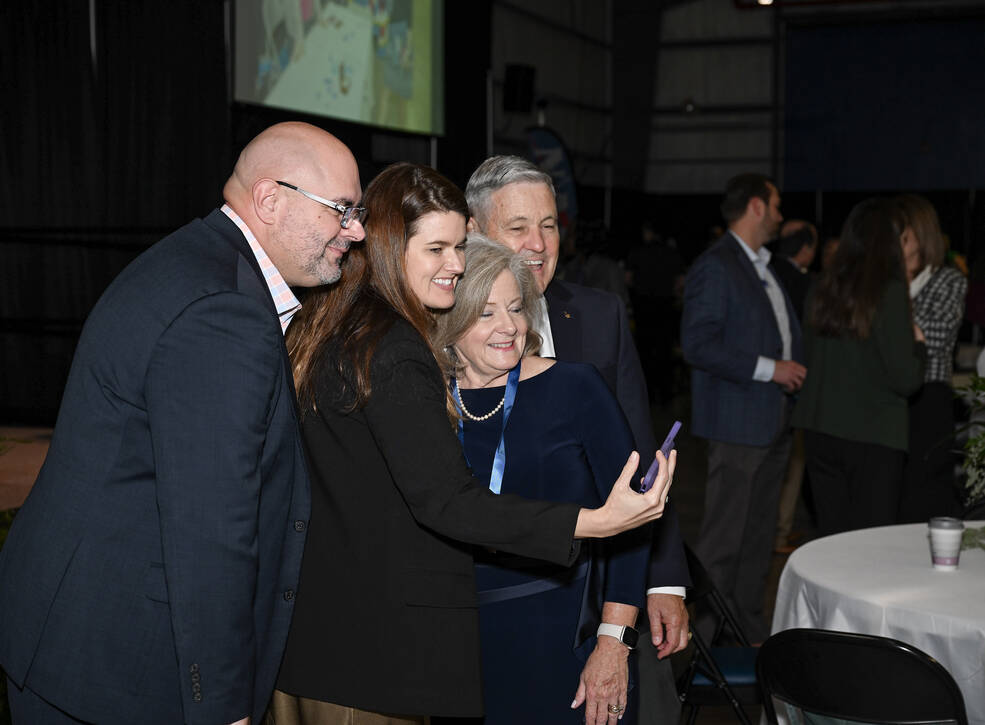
{"points": [[679, 591], [765, 367]]}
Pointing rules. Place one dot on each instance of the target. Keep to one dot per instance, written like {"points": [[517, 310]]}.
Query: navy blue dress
{"points": [[567, 440]]}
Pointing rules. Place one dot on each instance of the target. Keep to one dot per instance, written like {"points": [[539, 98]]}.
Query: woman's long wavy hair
{"points": [[352, 315], [868, 257], [922, 218]]}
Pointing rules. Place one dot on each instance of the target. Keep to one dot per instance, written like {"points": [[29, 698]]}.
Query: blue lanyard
{"points": [[499, 462]]}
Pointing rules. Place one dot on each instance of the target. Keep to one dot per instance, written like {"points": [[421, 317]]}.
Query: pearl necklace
{"points": [[478, 418]]}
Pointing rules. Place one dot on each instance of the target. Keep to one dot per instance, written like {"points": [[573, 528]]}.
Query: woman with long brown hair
{"points": [[385, 627], [937, 291], [864, 358]]}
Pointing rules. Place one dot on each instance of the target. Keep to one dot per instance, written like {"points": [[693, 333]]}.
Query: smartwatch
{"points": [[627, 635]]}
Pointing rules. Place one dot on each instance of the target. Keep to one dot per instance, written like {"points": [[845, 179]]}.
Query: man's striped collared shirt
{"points": [[284, 300]]}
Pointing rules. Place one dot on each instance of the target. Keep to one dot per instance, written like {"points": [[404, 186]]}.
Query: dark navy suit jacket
{"points": [[590, 325], [150, 575], [728, 322]]}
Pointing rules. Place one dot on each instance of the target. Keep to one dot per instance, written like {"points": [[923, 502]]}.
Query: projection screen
{"points": [[378, 62]]}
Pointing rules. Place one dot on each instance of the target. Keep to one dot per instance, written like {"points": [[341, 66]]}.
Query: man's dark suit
{"points": [[794, 281], [149, 577], [590, 325], [728, 323]]}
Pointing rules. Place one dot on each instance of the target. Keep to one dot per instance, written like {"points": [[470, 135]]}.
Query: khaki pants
{"points": [[290, 710], [790, 492]]}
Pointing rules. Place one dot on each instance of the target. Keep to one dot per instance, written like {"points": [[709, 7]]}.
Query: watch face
{"points": [[630, 637]]}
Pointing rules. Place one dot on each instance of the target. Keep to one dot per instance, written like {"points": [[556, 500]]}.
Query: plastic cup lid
{"points": [[946, 522]]}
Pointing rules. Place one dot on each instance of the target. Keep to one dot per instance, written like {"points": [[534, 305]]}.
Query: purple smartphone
{"points": [[666, 448]]}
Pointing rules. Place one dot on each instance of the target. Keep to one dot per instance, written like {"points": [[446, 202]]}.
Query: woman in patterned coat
{"points": [[937, 291]]}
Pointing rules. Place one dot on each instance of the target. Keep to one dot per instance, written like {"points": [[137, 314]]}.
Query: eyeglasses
{"points": [[349, 213]]}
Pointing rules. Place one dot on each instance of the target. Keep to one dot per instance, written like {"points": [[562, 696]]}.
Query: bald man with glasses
{"points": [[150, 575]]}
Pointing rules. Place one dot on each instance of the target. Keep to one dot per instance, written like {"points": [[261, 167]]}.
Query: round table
{"points": [[880, 581]]}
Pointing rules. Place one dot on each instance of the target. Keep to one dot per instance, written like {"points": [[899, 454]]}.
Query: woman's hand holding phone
{"points": [[666, 448], [626, 508]]}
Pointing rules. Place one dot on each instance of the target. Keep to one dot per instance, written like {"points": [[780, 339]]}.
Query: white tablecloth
{"points": [[880, 581]]}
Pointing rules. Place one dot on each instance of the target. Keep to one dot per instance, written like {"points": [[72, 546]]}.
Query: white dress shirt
{"points": [[765, 367]]}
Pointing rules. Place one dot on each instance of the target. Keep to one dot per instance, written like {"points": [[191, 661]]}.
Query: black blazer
{"points": [[590, 325], [387, 617], [795, 282], [728, 322], [150, 575]]}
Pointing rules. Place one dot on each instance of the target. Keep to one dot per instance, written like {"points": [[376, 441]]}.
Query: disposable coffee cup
{"points": [[945, 542]]}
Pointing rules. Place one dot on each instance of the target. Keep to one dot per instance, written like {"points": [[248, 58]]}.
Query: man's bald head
{"points": [[792, 226], [299, 153], [798, 241], [303, 238]]}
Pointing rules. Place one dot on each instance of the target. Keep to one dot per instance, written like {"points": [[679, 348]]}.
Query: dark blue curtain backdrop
{"points": [[886, 106]]}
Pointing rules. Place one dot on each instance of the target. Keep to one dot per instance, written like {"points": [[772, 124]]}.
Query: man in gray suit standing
{"points": [[740, 334]]}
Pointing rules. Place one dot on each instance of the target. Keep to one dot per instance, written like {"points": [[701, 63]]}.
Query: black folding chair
{"points": [[856, 677], [716, 674]]}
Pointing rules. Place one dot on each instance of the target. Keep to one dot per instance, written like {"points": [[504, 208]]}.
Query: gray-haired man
{"points": [[512, 201]]}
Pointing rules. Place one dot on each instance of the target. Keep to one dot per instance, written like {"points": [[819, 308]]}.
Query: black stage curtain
{"points": [[109, 141], [49, 142]]}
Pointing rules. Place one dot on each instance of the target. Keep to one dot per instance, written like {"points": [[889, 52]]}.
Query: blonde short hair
{"points": [[485, 260]]}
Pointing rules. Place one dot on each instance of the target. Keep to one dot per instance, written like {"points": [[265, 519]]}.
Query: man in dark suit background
{"points": [[741, 337], [795, 251], [793, 254], [150, 575], [512, 201]]}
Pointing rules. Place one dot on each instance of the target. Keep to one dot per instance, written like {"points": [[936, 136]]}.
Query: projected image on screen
{"points": [[370, 61]]}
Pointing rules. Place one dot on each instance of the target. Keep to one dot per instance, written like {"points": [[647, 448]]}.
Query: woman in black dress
{"points": [[385, 626], [865, 357]]}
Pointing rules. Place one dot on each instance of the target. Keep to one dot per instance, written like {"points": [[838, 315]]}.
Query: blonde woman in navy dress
{"points": [[552, 431]]}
